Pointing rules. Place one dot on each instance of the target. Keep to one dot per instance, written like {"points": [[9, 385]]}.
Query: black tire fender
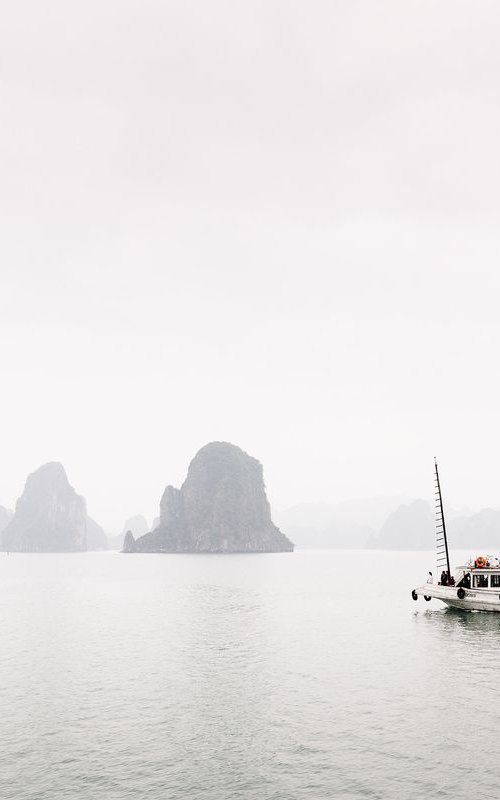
{"points": [[461, 593], [414, 594], [427, 598]]}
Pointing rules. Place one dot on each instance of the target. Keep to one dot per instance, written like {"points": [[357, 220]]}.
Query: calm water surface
{"points": [[304, 675]]}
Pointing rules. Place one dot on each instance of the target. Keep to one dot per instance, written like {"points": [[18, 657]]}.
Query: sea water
{"points": [[265, 677]]}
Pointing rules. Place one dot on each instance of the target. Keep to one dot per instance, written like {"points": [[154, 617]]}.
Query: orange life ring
{"points": [[480, 562]]}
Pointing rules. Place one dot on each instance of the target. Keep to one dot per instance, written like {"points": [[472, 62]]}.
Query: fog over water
{"points": [[252, 223]]}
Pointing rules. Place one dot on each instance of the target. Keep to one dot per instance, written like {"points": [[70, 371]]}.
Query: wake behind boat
{"points": [[475, 586]]}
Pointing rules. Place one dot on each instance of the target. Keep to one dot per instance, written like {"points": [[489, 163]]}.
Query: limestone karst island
{"points": [[221, 507], [51, 517]]}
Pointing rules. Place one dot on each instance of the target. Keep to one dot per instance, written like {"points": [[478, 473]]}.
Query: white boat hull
{"points": [[474, 600]]}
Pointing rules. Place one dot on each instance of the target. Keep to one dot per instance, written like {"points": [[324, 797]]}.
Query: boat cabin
{"points": [[480, 573]]}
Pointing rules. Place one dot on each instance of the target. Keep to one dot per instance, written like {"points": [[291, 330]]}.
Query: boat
{"points": [[474, 586]]}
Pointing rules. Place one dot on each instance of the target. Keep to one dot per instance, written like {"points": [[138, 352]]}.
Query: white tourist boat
{"points": [[474, 586]]}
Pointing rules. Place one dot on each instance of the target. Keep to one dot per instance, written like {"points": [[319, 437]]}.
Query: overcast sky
{"points": [[271, 223]]}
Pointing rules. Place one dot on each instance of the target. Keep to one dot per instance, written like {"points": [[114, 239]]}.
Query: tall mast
{"points": [[442, 556]]}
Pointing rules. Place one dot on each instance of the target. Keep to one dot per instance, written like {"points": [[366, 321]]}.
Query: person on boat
{"points": [[444, 579], [430, 579]]}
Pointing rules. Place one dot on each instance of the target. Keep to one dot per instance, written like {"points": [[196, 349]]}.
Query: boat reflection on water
{"points": [[455, 621]]}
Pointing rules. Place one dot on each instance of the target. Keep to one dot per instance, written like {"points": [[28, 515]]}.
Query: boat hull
{"points": [[474, 599]]}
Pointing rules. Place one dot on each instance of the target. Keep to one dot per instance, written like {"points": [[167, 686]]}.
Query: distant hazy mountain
{"points": [[391, 523], [51, 517], [409, 527], [349, 524], [412, 527], [137, 525], [477, 531], [370, 511]]}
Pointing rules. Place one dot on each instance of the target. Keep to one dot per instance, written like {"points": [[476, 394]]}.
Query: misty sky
{"points": [[272, 223]]}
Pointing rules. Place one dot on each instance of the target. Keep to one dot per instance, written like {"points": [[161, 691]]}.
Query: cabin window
{"points": [[480, 581], [495, 581]]}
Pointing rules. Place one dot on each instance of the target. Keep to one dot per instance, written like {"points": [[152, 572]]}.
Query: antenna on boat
{"points": [[442, 556]]}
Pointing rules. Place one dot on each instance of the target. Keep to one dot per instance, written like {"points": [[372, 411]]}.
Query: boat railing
{"points": [[459, 575]]}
